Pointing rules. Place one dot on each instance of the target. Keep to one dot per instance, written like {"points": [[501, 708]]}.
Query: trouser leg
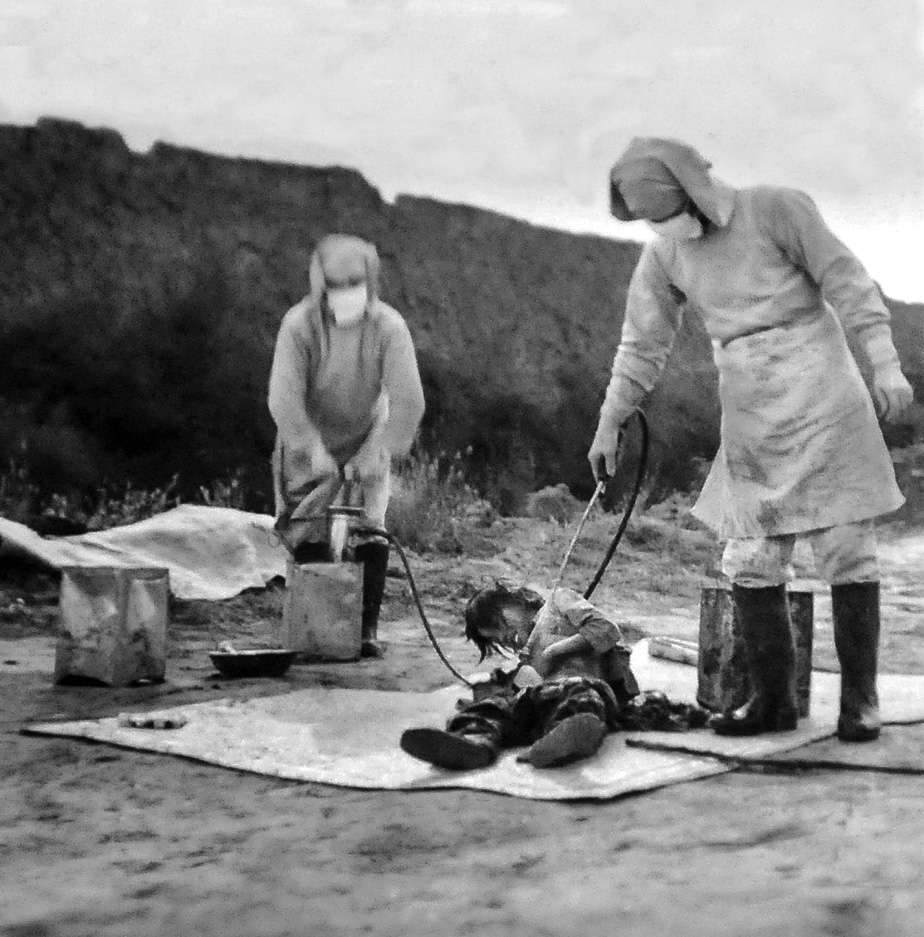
{"points": [[493, 718], [847, 553], [472, 738], [570, 720], [758, 562]]}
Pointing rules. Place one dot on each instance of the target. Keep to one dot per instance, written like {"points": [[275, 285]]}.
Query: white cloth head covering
{"points": [[339, 258], [649, 189]]}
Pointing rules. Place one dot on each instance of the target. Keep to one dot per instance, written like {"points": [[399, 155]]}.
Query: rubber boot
{"points": [[771, 661], [453, 750], [311, 553], [576, 737], [374, 557], [855, 610]]}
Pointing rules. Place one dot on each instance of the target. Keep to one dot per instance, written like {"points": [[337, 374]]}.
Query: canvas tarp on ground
{"points": [[350, 738], [211, 553]]}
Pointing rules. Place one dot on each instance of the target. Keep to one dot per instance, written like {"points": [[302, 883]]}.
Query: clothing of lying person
{"points": [[572, 683]]}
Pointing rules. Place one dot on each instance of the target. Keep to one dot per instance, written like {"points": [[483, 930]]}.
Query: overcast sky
{"points": [[518, 105]]}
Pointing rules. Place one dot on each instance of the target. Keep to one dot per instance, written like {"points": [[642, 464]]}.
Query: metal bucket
{"points": [[112, 625], [723, 678], [322, 610]]}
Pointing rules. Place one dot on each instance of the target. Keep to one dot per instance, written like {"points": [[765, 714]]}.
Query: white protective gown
{"points": [[801, 448], [342, 388]]}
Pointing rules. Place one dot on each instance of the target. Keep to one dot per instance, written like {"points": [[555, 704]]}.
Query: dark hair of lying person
{"points": [[495, 616]]}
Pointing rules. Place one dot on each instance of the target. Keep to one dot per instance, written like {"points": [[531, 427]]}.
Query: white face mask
{"points": [[347, 304], [682, 227]]}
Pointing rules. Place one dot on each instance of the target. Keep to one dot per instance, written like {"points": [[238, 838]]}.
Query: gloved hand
{"points": [[527, 675], [370, 462], [602, 454], [892, 393], [307, 463]]}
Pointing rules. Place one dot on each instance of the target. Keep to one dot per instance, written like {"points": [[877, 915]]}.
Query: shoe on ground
{"points": [[574, 738], [448, 749], [371, 649]]}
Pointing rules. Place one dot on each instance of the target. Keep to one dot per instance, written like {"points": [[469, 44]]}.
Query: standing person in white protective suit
{"points": [[801, 452], [346, 397]]}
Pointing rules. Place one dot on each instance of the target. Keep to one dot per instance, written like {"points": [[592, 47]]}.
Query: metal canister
{"points": [[723, 677], [341, 521]]}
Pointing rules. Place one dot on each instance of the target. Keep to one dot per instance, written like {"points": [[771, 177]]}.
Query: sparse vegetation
{"points": [[24, 501], [18, 495], [431, 505], [432, 502]]}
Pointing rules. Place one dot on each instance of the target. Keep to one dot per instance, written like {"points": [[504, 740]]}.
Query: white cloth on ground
{"points": [[211, 553]]}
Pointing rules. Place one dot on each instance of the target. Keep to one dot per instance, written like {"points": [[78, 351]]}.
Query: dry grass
{"points": [[432, 505], [22, 500]]}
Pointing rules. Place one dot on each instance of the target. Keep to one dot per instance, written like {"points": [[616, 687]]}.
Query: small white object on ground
{"points": [[150, 721]]}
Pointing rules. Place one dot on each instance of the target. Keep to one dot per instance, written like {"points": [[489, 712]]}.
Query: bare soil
{"points": [[107, 842]]}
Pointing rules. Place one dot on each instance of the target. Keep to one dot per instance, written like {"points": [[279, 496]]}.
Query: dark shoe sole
{"points": [[447, 750], [773, 722], [577, 737], [847, 732], [371, 649]]}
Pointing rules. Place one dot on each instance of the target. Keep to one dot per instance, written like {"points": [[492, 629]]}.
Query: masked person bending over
{"points": [[568, 693], [346, 397], [801, 451]]}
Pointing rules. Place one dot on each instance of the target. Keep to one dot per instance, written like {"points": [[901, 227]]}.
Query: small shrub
{"points": [[226, 492], [19, 496], [431, 503], [131, 505], [21, 500]]}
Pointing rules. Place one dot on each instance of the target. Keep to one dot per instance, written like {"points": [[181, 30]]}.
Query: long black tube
{"points": [[640, 475], [639, 478], [381, 532]]}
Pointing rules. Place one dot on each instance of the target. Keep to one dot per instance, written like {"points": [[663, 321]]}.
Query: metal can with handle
{"points": [[341, 521], [723, 676]]}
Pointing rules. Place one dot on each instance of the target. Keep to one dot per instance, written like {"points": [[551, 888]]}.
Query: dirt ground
{"points": [[108, 842]]}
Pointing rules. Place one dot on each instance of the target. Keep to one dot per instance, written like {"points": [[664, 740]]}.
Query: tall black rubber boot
{"points": [[771, 661], [855, 610], [311, 553], [374, 557]]}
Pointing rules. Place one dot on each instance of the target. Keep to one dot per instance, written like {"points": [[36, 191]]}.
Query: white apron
{"points": [[800, 445]]}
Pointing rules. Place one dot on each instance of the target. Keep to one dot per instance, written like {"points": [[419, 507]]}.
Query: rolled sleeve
{"points": [[599, 632]]}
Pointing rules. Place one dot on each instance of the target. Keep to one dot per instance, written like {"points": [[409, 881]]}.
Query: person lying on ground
{"points": [[573, 680]]}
